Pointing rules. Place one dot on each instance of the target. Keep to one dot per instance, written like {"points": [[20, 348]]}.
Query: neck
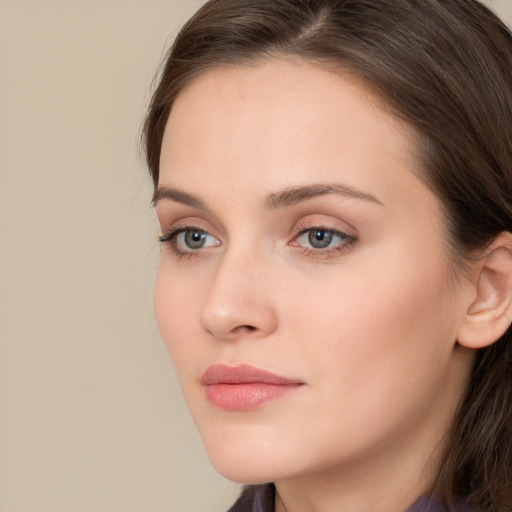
{"points": [[387, 486]]}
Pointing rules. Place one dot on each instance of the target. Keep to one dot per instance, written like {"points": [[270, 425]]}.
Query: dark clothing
{"points": [[260, 498]]}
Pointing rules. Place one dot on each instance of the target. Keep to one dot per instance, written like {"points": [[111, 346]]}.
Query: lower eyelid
{"points": [[328, 252]]}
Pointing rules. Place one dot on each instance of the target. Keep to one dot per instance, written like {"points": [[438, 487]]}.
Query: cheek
{"points": [[377, 326], [175, 301], [375, 347]]}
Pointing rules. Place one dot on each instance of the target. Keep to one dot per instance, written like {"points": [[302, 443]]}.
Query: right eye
{"points": [[187, 241]]}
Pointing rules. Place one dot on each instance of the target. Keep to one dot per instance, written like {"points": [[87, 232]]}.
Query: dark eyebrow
{"points": [[281, 199], [178, 196], [291, 196]]}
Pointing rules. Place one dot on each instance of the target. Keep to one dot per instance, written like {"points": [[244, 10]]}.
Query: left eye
{"points": [[322, 238]]}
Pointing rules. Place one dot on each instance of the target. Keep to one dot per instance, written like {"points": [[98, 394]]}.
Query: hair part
{"points": [[445, 68]]}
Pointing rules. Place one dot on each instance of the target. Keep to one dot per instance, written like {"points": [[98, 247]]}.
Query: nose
{"points": [[239, 301]]}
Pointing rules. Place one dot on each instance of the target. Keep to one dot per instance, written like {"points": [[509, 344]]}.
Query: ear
{"points": [[490, 313]]}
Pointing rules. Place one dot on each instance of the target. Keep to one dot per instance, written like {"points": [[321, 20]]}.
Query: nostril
{"points": [[242, 329]]}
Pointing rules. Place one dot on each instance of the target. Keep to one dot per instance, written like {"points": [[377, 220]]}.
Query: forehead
{"points": [[292, 90], [282, 121]]}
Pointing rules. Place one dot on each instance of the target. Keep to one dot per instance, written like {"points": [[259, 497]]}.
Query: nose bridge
{"points": [[239, 300]]}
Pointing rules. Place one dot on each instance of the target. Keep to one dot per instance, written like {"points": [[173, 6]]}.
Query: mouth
{"points": [[244, 387]]}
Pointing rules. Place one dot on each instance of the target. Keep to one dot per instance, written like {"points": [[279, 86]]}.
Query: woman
{"points": [[333, 181]]}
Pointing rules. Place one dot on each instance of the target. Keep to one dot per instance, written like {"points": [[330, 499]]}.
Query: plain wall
{"points": [[92, 418]]}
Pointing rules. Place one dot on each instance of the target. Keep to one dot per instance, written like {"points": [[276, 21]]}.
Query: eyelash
{"points": [[170, 238], [300, 230], [348, 241]]}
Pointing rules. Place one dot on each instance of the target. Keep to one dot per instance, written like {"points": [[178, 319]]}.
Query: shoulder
{"points": [[432, 504], [260, 498]]}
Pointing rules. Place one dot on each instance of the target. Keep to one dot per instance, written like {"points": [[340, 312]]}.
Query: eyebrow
{"points": [[287, 197], [178, 196], [295, 195]]}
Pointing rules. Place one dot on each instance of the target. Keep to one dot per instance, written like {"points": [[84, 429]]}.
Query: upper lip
{"points": [[243, 374]]}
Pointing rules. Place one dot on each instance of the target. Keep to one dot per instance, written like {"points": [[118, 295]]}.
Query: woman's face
{"points": [[304, 291]]}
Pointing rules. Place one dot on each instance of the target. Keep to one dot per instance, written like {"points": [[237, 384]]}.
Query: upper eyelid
{"points": [[324, 228], [307, 223], [344, 236], [186, 223], [170, 213], [330, 224], [176, 230]]}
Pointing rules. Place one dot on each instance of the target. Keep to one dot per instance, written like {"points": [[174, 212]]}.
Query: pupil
{"points": [[195, 239], [320, 238]]}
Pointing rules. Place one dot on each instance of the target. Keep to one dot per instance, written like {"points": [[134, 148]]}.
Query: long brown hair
{"points": [[444, 67]]}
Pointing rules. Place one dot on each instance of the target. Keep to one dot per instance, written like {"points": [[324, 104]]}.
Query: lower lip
{"points": [[246, 396]]}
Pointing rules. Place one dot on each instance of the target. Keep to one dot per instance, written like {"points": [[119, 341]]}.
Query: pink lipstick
{"points": [[244, 387]]}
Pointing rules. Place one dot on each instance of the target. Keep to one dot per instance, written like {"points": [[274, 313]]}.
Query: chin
{"points": [[245, 457], [243, 472]]}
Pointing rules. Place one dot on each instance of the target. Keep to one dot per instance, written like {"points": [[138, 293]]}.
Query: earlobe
{"points": [[490, 313]]}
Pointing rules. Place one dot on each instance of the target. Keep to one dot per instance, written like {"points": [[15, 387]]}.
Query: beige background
{"points": [[92, 418]]}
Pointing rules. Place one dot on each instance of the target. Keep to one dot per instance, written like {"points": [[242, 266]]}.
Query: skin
{"points": [[368, 324]]}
